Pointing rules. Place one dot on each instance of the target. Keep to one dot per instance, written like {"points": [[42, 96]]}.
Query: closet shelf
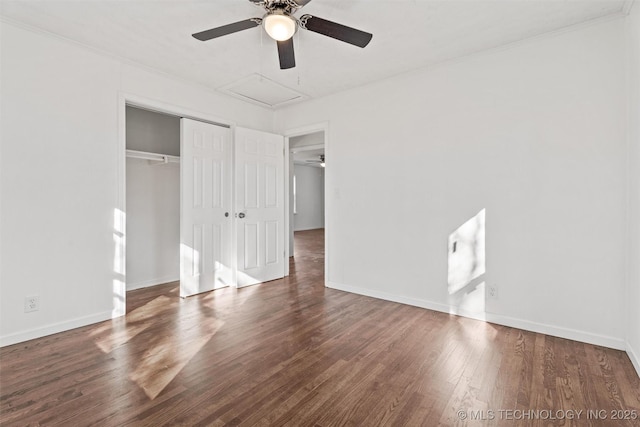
{"points": [[155, 157]]}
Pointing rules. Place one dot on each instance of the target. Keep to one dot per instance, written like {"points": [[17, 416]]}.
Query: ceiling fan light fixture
{"points": [[279, 26]]}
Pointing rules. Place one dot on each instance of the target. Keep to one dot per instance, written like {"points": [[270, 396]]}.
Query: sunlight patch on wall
{"points": [[466, 253], [119, 286], [466, 266], [471, 302]]}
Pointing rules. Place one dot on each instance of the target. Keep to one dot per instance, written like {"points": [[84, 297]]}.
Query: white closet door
{"points": [[205, 206], [259, 169]]}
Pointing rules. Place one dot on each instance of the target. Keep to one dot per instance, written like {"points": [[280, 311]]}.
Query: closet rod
{"points": [[156, 157]]}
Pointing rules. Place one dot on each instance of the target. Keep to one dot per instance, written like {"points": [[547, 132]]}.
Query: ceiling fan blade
{"points": [[227, 29], [286, 54], [335, 30], [301, 2]]}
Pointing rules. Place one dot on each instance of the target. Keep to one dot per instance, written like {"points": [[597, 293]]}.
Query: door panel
{"points": [[205, 231], [271, 242], [251, 184], [260, 198], [250, 247]]}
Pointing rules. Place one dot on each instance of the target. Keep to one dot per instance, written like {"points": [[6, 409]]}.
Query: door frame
{"points": [[120, 250], [299, 131]]}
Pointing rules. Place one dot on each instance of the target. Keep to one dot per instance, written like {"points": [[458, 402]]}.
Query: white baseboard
{"points": [[152, 282], [635, 357], [558, 331], [527, 325], [30, 334], [389, 297]]}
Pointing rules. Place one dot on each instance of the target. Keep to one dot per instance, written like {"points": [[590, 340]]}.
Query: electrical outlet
{"points": [[31, 303], [493, 292]]}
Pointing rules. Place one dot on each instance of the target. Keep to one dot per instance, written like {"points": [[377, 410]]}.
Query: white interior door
{"points": [[205, 206], [259, 169]]}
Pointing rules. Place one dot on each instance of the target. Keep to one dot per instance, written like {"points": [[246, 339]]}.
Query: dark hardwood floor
{"points": [[292, 352]]}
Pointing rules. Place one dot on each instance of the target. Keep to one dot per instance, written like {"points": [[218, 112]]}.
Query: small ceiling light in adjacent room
{"points": [[279, 26]]}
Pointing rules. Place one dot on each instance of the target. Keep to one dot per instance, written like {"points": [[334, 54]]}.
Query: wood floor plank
{"points": [[293, 352]]}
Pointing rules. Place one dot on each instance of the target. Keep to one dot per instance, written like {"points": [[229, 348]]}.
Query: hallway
{"points": [[307, 264]]}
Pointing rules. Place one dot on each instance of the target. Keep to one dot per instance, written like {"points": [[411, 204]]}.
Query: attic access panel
{"points": [[258, 89]]}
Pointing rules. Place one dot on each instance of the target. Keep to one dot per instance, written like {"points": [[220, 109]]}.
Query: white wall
{"points": [[309, 198], [633, 292], [59, 174], [534, 133], [153, 200]]}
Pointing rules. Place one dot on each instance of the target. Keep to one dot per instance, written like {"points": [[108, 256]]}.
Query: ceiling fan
{"points": [[281, 25]]}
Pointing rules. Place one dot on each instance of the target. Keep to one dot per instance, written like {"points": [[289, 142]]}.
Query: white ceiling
{"points": [[407, 35]]}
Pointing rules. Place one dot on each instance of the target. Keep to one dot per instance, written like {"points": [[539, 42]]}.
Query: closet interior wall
{"points": [[153, 200]]}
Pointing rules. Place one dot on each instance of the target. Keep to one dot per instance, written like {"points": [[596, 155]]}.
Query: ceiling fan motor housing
{"points": [[287, 7]]}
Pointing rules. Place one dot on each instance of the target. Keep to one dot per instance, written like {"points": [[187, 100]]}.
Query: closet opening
{"points": [[152, 198]]}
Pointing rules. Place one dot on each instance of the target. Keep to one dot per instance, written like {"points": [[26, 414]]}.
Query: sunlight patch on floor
{"points": [[111, 336], [165, 359]]}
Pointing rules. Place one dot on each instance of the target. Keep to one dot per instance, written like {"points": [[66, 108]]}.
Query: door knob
{"points": [[226, 214], [241, 215]]}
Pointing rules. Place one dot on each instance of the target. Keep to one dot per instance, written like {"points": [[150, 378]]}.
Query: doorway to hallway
{"points": [[309, 225]]}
